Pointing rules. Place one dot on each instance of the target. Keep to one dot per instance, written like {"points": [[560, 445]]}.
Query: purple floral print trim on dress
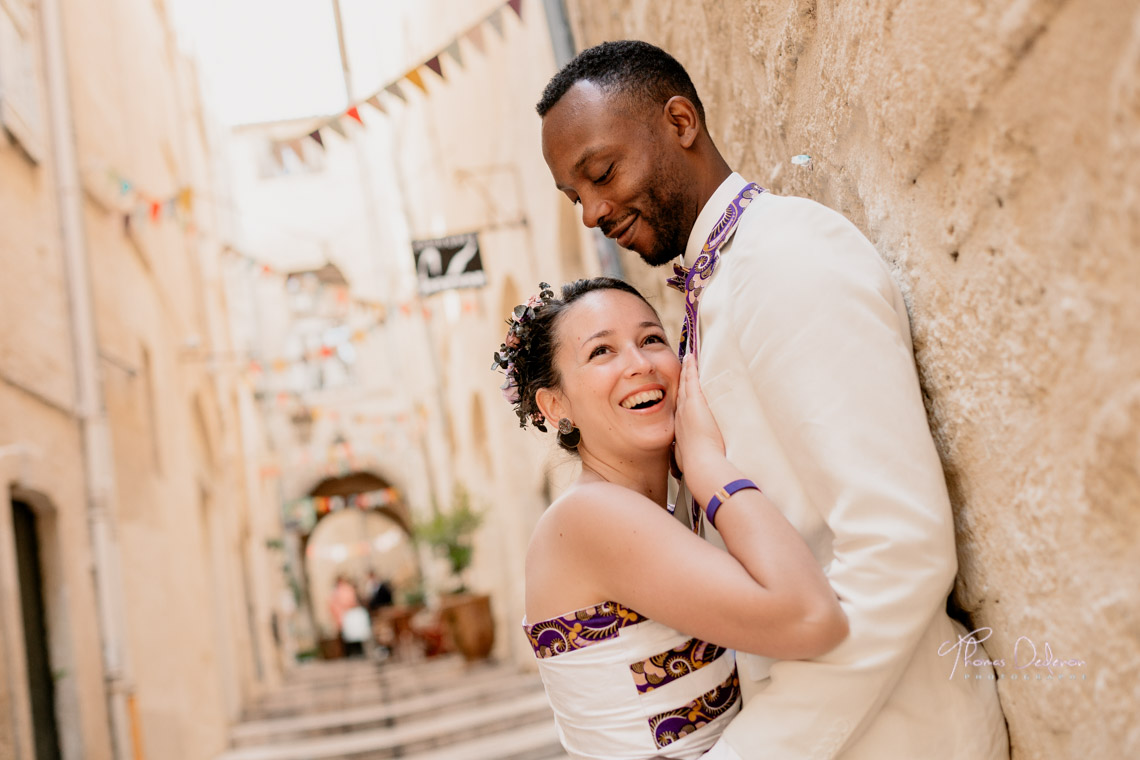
{"points": [[666, 667], [580, 629], [674, 725]]}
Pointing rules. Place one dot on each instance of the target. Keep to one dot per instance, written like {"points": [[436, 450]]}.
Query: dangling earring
{"points": [[568, 435]]}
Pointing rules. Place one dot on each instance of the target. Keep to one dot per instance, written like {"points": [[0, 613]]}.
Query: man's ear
{"points": [[683, 120], [552, 404]]}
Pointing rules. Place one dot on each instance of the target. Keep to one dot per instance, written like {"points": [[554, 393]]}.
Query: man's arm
{"points": [[827, 347]]}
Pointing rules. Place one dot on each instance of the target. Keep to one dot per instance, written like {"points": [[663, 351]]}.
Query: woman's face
{"points": [[618, 374]]}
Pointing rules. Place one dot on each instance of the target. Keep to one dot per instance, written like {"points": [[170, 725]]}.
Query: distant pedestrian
{"points": [[381, 597], [352, 621]]}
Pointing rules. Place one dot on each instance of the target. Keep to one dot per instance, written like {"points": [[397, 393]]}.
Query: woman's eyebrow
{"points": [[599, 334]]}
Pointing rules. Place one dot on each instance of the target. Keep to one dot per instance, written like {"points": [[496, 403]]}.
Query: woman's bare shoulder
{"points": [[572, 546], [580, 508]]}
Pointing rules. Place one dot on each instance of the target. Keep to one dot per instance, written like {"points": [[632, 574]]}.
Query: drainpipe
{"points": [[561, 37], [90, 411]]}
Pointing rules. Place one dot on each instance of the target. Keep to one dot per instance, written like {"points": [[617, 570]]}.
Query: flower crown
{"points": [[511, 356]]}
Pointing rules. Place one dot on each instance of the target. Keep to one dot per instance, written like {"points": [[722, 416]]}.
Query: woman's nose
{"points": [[639, 362]]}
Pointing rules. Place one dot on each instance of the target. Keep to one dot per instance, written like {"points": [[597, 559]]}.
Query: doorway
{"points": [[41, 682]]}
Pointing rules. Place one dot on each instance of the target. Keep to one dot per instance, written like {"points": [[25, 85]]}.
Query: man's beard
{"points": [[665, 215]]}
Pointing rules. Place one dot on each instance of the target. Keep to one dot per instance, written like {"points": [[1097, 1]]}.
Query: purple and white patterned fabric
{"points": [[624, 687], [580, 628]]}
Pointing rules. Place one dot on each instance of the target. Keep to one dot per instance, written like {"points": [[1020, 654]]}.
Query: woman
{"points": [[632, 615]]}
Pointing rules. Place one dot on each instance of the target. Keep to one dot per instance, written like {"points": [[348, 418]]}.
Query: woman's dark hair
{"points": [[528, 354]]}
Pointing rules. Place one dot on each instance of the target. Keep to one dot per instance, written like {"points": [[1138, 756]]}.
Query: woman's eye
{"points": [[655, 339], [598, 351]]}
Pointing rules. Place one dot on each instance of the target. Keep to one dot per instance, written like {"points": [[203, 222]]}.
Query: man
{"points": [[806, 361]]}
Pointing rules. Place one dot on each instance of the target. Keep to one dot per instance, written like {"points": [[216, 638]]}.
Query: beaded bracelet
{"points": [[721, 496]]}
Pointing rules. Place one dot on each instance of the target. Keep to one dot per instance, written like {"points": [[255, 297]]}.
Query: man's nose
{"points": [[594, 210]]}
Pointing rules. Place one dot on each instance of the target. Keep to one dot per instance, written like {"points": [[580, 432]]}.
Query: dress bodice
{"points": [[624, 687]]}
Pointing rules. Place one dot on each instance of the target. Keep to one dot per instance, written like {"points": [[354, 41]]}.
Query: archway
{"points": [[359, 527]]}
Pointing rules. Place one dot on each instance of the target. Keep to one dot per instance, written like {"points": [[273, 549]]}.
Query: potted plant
{"points": [[466, 615]]}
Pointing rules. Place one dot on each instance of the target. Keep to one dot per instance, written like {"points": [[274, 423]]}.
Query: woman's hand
{"points": [[698, 436]]}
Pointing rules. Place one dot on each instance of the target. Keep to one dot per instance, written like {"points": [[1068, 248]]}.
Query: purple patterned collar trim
{"points": [[580, 628]]}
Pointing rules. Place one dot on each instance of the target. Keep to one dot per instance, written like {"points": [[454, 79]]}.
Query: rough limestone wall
{"points": [[991, 151]]}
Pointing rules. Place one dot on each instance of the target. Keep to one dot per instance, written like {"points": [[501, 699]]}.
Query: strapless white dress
{"points": [[624, 687]]}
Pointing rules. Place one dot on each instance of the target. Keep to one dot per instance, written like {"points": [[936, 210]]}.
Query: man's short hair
{"points": [[634, 68]]}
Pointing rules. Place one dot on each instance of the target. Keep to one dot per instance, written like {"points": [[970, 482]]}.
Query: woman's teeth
{"points": [[643, 399]]}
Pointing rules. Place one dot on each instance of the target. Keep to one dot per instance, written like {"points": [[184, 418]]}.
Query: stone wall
{"points": [[991, 151]]}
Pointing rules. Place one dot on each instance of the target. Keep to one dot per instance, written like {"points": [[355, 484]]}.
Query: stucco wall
{"points": [[991, 151]]}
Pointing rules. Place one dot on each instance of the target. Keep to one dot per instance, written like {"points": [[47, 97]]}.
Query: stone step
{"points": [[535, 742], [461, 695], [406, 738], [297, 699]]}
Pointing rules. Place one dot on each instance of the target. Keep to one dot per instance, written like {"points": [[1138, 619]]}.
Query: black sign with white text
{"points": [[449, 263]]}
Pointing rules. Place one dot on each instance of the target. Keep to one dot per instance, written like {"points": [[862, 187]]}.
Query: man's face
{"points": [[615, 158]]}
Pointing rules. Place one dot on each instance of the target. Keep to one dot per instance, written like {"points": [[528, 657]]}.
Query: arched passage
{"points": [[363, 531]]}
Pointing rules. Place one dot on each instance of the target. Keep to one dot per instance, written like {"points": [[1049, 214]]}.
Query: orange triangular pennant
{"points": [[414, 77], [186, 199]]}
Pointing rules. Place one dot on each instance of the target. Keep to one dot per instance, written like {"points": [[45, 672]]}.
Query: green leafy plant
{"points": [[449, 533]]}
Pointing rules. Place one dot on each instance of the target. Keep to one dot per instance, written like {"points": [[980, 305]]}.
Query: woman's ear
{"points": [[552, 404]]}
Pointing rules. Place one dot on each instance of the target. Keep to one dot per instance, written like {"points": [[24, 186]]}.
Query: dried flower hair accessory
{"points": [[512, 354]]}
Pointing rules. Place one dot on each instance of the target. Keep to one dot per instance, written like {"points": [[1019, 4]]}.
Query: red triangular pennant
{"points": [[353, 113], [516, 6], [435, 66]]}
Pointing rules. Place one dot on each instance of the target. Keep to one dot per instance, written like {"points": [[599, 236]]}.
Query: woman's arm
{"points": [[768, 596]]}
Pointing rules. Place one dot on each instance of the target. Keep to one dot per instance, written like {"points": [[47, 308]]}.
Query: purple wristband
{"points": [[721, 496]]}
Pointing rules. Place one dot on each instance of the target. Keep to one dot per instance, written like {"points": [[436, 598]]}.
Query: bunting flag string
{"points": [[406, 308], [258, 366], [338, 122], [137, 205]]}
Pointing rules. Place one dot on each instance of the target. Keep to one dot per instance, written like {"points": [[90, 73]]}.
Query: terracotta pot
{"points": [[468, 619], [331, 649]]}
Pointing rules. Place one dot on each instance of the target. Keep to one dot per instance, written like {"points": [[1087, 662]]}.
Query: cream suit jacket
{"points": [[806, 361]]}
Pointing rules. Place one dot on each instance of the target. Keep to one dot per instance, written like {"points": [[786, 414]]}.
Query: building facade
{"points": [[132, 549]]}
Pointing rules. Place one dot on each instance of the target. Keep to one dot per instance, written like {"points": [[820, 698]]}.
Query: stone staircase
{"points": [[441, 709]]}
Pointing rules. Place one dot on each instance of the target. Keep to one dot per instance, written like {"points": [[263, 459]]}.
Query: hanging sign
{"points": [[449, 263]]}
